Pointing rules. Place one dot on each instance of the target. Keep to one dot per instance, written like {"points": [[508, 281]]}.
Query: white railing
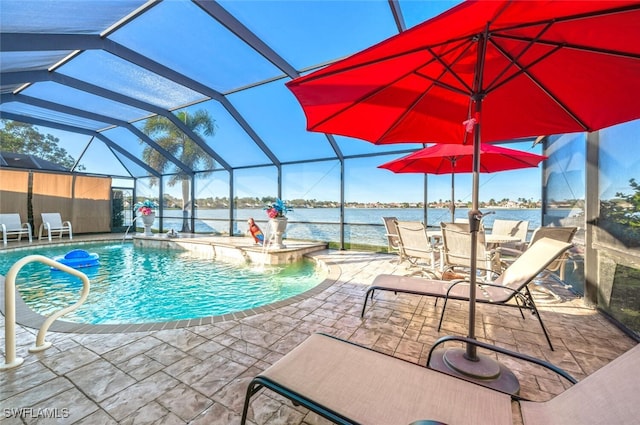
{"points": [[11, 360]]}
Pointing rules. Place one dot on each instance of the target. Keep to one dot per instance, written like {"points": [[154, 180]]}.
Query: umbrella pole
{"points": [[425, 204], [453, 199], [466, 363], [474, 225], [481, 369]]}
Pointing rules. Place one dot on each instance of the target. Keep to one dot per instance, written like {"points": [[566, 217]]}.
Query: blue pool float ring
{"points": [[78, 258]]}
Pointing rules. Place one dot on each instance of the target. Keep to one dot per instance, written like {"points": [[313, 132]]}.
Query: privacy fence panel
{"points": [[14, 188], [85, 201], [91, 204]]}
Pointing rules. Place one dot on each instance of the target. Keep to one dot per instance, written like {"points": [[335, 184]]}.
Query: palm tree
{"points": [[174, 141]]}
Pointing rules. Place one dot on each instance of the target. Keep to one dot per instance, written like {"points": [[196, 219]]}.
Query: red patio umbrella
{"points": [[507, 69], [535, 67], [446, 158]]}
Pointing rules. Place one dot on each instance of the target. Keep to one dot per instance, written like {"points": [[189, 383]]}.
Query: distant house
{"points": [[29, 162]]}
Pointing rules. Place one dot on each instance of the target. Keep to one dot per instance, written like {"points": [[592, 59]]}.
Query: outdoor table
{"points": [[493, 241], [498, 239], [435, 236]]}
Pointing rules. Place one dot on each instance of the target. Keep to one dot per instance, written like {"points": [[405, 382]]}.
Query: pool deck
{"points": [[197, 372]]}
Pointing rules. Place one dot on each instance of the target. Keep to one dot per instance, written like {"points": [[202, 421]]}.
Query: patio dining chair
{"points": [[391, 233], [461, 220], [52, 223], [350, 384], [509, 289], [416, 246], [456, 250], [516, 228]]}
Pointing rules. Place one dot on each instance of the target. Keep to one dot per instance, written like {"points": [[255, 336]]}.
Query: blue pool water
{"points": [[142, 285]]}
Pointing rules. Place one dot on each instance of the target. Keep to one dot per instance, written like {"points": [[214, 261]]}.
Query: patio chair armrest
{"points": [[510, 251], [506, 288], [455, 283], [430, 274], [493, 273], [489, 272], [555, 369], [479, 283]]}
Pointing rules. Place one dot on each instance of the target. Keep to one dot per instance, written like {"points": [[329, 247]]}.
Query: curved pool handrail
{"points": [[10, 308], [132, 223]]}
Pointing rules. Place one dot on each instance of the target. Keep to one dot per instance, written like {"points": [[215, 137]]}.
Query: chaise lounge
{"points": [[510, 285], [350, 384], [11, 225], [564, 234], [52, 223]]}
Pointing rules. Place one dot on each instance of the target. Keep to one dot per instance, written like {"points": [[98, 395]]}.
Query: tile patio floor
{"points": [[198, 374]]}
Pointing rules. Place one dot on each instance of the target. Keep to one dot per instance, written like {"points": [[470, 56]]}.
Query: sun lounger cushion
{"points": [[351, 384], [610, 395], [369, 387]]}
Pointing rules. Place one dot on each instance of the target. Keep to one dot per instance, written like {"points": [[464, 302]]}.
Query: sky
{"points": [[364, 181], [270, 109]]}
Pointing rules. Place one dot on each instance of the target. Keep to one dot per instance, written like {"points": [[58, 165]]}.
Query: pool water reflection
{"points": [[141, 285]]}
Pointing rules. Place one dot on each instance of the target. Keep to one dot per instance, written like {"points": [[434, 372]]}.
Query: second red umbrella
{"points": [[446, 158]]}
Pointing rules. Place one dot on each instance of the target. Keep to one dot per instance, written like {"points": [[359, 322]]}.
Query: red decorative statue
{"points": [[255, 231]]}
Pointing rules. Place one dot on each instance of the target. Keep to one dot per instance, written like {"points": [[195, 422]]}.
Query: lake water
{"points": [[322, 224]]}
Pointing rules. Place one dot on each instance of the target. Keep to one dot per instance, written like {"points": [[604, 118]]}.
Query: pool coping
{"points": [[26, 317]]}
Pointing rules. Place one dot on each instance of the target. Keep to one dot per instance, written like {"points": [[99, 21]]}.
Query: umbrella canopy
{"points": [[546, 67], [506, 69], [446, 158]]}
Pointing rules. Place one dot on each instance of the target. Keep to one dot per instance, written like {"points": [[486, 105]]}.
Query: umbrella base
{"points": [[485, 371]]}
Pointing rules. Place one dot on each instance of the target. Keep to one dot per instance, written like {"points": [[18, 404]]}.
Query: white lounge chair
{"points": [[564, 234], [11, 225], [52, 223], [509, 289]]}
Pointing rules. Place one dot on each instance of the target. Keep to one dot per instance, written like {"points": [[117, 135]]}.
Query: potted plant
{"points": [[146, 211], [277, 213]]}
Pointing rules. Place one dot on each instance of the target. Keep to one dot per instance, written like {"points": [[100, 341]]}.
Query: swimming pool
{"points": [[135, 285]]}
